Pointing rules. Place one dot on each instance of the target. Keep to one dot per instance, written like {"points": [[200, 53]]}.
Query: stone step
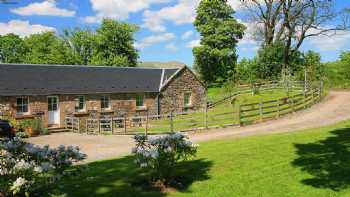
{"points": [[58, 130]]}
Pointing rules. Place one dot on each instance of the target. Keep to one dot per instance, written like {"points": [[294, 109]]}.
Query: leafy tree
{"points": [[292, 21], [47, 48], [246, 70], [216, 58], [115, 44], [12, 49], [270, 61], [314, 68], [81, 42]]}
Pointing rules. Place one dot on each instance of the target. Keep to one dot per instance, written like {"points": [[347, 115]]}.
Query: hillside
{"points": [[155, 64]]}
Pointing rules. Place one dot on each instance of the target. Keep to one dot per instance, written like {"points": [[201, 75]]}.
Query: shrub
{"points": [[22, 135], [25, 168], [160, 154]]}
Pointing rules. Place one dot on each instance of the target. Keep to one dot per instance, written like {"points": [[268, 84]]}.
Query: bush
{"points": [[25, 168], [21, 135], [160, 154], [32, 127]]}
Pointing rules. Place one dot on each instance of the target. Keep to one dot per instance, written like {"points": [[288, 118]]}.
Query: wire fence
{"points": [[239, 115]]}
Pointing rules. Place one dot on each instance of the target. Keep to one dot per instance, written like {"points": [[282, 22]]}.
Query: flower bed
{"points": [[25, 168]]}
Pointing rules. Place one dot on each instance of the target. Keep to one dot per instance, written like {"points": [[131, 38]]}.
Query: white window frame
{"points": [[109, 102], [77, 104], [22, 112], [189, 99]]}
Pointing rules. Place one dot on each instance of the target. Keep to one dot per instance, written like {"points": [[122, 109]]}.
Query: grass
{"points": [[197, 120], [315, 162]]}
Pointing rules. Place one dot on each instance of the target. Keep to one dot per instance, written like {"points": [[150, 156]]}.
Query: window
{"points": [[139, 100], [105, 102], [22, 105], [80, 104], [187, 99]]}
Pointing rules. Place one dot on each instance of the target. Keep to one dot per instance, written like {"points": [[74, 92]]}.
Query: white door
{"points": [[53, 110]]}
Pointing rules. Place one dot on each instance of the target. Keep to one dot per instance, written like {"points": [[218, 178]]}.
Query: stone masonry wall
{"points": [[119, 104], [172, 97]]}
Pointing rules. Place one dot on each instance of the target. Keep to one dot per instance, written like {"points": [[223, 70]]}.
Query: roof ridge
{"points": [[84, 66]]}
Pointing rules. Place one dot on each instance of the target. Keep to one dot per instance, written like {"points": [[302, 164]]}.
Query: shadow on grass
{"points": [[328, 161], [121, 177]]}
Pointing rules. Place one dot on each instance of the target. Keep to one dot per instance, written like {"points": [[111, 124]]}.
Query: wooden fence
{"points": [[239, 115]]}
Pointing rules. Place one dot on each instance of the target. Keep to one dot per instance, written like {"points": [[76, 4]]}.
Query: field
{"points": [[226, 113], [313, 162]]}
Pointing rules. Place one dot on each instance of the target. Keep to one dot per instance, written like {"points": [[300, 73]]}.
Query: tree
{"points": [[12, 49], [246, 70], [47, 48], [81, 42], [270, 61], [115, 44], [216, 58], [292, 21], [314, 68]]}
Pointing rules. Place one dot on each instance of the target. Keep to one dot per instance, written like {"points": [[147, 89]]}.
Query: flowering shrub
{"points": [[24, 167], [160, 154]]}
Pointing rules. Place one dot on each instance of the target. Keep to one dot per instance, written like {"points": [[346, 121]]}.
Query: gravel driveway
{"points": [[335, 108]]}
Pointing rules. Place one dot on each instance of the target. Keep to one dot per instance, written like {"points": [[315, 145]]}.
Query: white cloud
{"points": [[23, 28], [181, 13], [171, 47], [45, 8], [118, 9], [193, 43], [184, 12], [151, 40], [187, 35]]}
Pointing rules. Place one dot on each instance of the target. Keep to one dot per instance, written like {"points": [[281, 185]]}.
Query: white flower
{"points": [[38, 169], [19, 182], [22, 165], [143, 165]]}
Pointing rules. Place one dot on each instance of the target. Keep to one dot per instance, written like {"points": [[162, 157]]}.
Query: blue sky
{"points": [[166, 30]]}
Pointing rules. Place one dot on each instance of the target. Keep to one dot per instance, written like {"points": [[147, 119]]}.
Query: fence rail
{"points": [[186, 121]]}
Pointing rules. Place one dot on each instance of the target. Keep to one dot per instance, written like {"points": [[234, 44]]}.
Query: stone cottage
{"points": [[56, 91]]}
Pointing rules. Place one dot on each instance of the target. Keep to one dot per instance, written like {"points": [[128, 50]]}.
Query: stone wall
{"points": [[120, 104], [172, 95]]}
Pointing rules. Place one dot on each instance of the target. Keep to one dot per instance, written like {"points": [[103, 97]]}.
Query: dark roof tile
{"points": [[21, 79]]}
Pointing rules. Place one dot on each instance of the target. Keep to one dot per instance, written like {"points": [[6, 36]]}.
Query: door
{"points": [[53, 110]]}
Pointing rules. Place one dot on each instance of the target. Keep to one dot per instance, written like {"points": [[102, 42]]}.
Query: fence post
{"points": [[304, 100], [313, 96], [86, 125], [125, 124], [112, 126], [321, 89], [239, 115], [171, 122], [206, 116], [99, 125], [261, 110], [78, 125], [293, 107], [278, 108], [146, 129]]}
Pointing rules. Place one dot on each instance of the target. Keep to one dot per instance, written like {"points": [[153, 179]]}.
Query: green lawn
{"points": [[314, 162], [225, 111]]}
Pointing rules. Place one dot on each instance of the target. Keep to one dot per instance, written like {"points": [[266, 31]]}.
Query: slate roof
{"points": [[22, 79]]}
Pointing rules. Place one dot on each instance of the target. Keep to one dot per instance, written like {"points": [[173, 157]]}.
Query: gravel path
{"points": [[335, 108]]}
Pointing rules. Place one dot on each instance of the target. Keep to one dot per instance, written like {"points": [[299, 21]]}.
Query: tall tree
{"points": [[115, 44], [47, 48], [216, 58], [12, 49], [81, 42], [293, 21]]}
